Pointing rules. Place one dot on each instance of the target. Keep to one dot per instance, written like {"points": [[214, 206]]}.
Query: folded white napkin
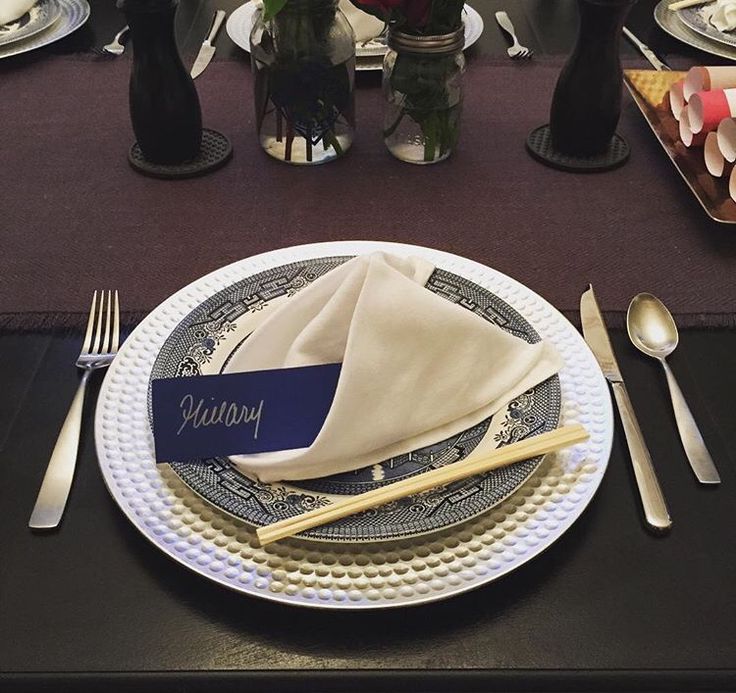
{"points": [[416, 368], [365, 25], [10, 10], [723, 15]]}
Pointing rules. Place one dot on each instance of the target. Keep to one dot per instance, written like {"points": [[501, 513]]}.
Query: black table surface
{"points": [[94, 606]]}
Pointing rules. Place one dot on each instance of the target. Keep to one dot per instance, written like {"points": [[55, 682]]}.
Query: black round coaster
{"points": [[214, 152], [539, 144]]}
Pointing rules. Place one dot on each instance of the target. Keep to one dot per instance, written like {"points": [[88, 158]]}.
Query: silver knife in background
{"points": [[646, 51], [207, 50], [596, 335]]}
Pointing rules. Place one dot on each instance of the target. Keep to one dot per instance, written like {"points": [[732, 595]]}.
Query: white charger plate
{"points": [[74, 13], [240, 23], [343, 576]]}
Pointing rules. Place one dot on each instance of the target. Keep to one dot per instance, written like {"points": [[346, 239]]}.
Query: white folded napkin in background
{"points": [[723, 15], [416, 368], [365, 26], [10, 10]]}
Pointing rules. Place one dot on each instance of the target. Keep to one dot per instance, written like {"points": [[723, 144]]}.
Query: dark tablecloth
{"points": [[76, 217]]}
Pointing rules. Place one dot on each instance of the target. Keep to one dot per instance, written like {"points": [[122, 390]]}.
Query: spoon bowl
{"points": [[652, 330], [651, 327]]}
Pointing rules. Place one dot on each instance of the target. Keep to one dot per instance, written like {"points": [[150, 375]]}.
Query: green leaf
{"points": [[272, 7]]}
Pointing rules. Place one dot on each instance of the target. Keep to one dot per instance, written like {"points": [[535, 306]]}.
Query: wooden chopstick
{"points": [[682, 4], [515, 452]]}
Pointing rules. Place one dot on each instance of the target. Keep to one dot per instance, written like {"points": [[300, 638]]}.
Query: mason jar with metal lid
{"points": [[423, 90]]}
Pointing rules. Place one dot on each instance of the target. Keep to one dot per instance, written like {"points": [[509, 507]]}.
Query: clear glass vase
{"points": [[423, 90], [304, 76]]}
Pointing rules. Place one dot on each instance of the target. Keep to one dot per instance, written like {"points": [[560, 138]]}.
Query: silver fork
{"points": [[516, 50], [115, 47], [97, 351]]}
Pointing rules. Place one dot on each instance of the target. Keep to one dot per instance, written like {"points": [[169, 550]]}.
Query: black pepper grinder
{"points": [[586, 105], [164, 107]]}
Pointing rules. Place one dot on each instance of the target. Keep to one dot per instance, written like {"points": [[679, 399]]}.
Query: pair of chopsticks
{"points": [[515, 452]]}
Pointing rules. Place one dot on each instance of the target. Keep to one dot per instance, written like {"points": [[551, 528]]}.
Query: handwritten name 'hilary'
{"points": [[228, 414]]}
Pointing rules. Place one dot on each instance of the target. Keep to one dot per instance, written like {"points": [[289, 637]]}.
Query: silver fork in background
{"points": [[99, 348], [115, 47], [516, 50]]}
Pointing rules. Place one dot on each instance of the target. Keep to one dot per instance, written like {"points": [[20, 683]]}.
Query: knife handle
{"points": [[216, 24], [652, 500]]}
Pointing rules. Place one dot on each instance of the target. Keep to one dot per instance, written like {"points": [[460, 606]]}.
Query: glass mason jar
{"points": [[304, 75], [423, 89]]}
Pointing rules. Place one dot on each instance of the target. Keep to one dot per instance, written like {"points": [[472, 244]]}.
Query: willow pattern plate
{"points": [[41, 16], [333, 575], [204, 342], [73, 14], [697, 19]]}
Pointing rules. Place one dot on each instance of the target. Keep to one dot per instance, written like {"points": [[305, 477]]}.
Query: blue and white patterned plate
{"points": [[698, 19], [73, 14], [41, 16], [206, 339]]}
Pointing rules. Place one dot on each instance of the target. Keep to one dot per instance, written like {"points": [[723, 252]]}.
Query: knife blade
{"points": [[646, 51], [207, 50], [596, 335]]}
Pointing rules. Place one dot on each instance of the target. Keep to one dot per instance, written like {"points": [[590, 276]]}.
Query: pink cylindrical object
{"points": [[726, 134], [677, 100], [707, 78], [714, 161], [707, 109]]}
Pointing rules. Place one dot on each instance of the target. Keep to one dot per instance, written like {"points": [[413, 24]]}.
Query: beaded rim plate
{"points": [[74, 13], [240, 21], [204, 343], [349, 576], [41, 16]]}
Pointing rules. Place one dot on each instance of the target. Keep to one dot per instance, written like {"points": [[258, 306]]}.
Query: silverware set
{"points": [[650, 327], [652, 330], [516, 50]]}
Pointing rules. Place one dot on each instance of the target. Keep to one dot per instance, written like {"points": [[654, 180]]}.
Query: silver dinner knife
{"points": [[646, 51], [207, 50], [596, 335]]}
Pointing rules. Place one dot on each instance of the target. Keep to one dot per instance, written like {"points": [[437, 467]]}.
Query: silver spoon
{"points": [[653, 331]]}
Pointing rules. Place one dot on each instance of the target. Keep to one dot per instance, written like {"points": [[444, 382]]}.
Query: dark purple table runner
{"points": [[75, 217]]}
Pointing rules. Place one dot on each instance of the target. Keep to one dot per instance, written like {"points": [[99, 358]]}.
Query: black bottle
{"points": [[587, 101], [164, 107]]}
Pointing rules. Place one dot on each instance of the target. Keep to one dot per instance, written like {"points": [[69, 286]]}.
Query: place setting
{"points": [[707, 25], [361, 425], [26, 25]]}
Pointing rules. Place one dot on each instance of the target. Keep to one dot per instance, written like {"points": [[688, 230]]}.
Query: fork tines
{"points": [[108, 317]]}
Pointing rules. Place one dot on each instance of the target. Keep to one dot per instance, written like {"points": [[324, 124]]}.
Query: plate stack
{"points": [[45, 22], [690, 26]]}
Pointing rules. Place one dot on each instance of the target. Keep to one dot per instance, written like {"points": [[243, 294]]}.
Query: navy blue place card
{"points": [[241, 413]]}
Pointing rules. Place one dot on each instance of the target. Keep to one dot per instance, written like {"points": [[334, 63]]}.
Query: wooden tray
{"points": [[649, 90]]}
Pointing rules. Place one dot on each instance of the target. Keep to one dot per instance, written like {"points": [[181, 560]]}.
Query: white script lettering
{"points": [[226, 413]]}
